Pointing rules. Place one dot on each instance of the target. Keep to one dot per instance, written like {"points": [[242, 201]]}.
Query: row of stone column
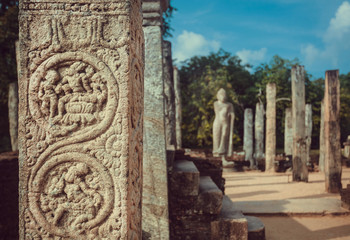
{"points": [[298, 130]]}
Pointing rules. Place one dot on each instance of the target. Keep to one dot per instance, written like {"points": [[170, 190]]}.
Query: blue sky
{"points": [[317, 32]]}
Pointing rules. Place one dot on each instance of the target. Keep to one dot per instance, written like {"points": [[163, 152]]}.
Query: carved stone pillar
{"points": [[178, 108], [259, 131], [248, 136], [308, 129], [300, 171], [270, 127], [155, 221], [333, 165], [13, 114], [288, 132], [169, 96], [322, 140], [81, 119]]}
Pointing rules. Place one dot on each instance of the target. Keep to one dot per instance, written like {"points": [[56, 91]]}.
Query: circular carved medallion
{"points": [[71, 92], [70, 194]]}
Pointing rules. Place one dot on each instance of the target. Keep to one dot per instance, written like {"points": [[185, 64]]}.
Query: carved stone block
{"points": [[81, 119]]}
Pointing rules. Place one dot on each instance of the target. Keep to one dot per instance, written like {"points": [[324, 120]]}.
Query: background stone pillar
{"points": [[13, 114], [81, 119], [178, 108], [288, 132], [322, 140], [333, 166], [155, 220], [169, 96], [259, 131], [248, 136], [300, 171], [270, 127], [308, 130]]}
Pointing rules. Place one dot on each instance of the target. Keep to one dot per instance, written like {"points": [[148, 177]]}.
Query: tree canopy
{"points": [[202, 77]]}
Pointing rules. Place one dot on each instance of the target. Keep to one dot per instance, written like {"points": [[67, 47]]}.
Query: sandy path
{"points": [[257, 186]]}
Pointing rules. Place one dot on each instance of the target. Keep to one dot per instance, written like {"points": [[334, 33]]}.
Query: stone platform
{"points": [[259, 193]]}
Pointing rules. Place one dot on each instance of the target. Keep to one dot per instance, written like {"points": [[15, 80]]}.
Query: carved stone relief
{"points": [[81, 95]]}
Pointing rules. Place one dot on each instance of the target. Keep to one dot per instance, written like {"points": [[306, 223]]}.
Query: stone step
{"points": [[256, 228], [184, 179], [230, 224], [210, 197]]}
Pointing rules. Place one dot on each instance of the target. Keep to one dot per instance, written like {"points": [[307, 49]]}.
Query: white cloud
{"points": [[336, 41], [189, 44], [252, 57], [339, 26]]}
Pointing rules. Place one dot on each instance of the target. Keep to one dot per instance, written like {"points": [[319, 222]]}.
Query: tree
{"points": [[167, 16], [201, 78], [344, 105], [8, 73], [277, 71]]}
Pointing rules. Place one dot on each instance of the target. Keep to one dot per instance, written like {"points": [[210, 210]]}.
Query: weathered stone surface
{"points": [[270, 126], [185, 178], [288, 132], [169, 95], [347, 148], [333, 167], [322, 140], [13, 114], [223, 127], [230, 224], [256, 228], [209, 198], [300, 171], [178, 108], [259, 131], [155, 220], [308, 129], [345, 197], [248, 136], [81, 119]]}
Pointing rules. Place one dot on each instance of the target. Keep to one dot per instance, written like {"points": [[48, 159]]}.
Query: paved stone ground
{"points": [[290, 210]]}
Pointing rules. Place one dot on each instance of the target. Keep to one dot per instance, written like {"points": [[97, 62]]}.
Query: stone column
{"points": [[347, 148], [81, 119], [333, 166], [308, 130], [288, 132], [155, 221], [259, 131], [13, 114], [169, 96], [248, 136], [300, 171], [322, 140], [270, 127], [178, 108]]}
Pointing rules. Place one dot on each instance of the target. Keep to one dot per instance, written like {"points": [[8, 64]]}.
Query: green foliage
{"points": [[277, 71], [167, 16], [201, 78], [8, 73], [8, 36], [344, 106]]}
